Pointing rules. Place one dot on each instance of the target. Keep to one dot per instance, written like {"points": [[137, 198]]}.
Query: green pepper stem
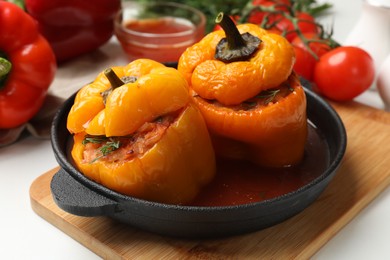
{"points": [[115, 81], [5, 68], [233, 36]]}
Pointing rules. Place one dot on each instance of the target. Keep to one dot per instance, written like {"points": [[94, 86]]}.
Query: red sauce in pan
{"points": [[242, 182], [239, 182]]}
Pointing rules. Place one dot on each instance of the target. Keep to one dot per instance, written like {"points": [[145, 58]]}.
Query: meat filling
{"points": [[263, 99], [125, 148]]}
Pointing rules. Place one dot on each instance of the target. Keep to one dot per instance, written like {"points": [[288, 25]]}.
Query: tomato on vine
{"points": [[259, 12], [304, 63], [309, 47], [317, 45], [286, 16], [305, 23]]}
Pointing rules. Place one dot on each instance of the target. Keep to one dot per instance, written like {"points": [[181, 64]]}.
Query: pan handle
{"points": [[77, 199]]}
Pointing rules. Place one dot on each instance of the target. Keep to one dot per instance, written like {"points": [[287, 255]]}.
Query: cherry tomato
{"points": [[257, 16], [278, 2], [344, 73], [304, 63], [319, 48], [306, 24]]}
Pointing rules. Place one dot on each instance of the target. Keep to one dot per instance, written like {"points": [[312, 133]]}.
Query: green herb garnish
{"points": [[109, 147], [97, 139], [268, 95], [110, 144]]}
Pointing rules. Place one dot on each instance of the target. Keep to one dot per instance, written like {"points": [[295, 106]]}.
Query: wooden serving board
{"points": [[364, 173]]}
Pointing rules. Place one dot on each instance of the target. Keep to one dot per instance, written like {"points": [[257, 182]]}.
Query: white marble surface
{"points": [[24, 235]]}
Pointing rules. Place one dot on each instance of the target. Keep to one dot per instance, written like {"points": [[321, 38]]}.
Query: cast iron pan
{"points": [[78, 195]]}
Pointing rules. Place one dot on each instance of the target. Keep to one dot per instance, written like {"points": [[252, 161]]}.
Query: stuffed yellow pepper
{"points": [[137, 132], [252, 101]]}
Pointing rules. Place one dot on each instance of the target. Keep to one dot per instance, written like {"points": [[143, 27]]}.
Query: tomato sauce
{"points": [[240, 182], [163, 39], [159, 26]]}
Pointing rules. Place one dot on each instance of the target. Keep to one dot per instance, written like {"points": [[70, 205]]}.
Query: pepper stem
{"points": [[115, 81], [233, 36], [236, 46], [5, 68]]}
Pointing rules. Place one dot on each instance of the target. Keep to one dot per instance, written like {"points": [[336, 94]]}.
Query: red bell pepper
{"points": [[27, 66], [74, 27]]}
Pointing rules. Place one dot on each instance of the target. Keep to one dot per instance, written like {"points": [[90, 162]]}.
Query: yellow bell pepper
{"points": [[144, 138], [253, 103], [233, 82]]}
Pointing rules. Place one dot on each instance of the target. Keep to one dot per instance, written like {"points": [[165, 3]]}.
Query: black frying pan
{"points": [[76, 194]]}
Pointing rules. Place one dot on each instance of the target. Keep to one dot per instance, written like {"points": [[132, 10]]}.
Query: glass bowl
{"points": [[160, 31]]}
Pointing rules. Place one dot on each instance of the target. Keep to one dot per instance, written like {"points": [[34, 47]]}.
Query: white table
{"points": [[24, 235]]}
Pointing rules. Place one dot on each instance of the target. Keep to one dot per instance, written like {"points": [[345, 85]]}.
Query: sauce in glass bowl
{"points": [[160, 26], [160, 31]]}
